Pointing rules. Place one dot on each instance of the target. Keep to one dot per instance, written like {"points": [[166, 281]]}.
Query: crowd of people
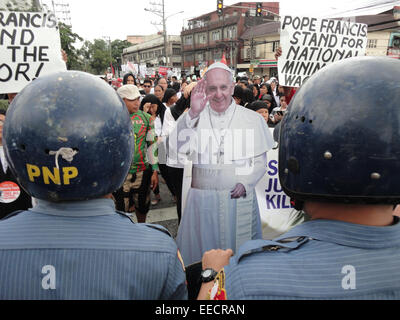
{"points": [[91, 159], [161, 101]]}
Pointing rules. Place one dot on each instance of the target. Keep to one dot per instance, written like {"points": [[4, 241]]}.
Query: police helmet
{"points": [[68, 136], [340, 140]]}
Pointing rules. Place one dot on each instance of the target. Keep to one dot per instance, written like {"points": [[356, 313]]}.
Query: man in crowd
{"points": [[345, 174], [12, 196], [227, 145], [143, 175], [68, 139], [147, 86]]}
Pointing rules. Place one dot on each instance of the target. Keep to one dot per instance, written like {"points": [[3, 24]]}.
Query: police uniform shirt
{"points": [[320, 259], [85, 250]]}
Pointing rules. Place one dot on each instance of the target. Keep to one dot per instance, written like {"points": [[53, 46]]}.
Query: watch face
{"points": [[207, 273]]}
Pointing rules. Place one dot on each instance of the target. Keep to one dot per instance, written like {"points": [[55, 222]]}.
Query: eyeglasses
{"points": [[147, 86]]}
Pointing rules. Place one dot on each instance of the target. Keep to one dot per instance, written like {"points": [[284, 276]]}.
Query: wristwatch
{"points": [[208, 275]]}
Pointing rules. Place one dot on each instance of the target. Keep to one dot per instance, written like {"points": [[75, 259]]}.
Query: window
{"points": [[216, 35], [372, 43], [201, 38], [230, 32], [396, 42], [275, 45], [176, 51], [188, 40]]}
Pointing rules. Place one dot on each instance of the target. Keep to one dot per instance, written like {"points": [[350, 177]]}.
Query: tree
{"points": [[99, 56], [68, 38], [117, 47]]}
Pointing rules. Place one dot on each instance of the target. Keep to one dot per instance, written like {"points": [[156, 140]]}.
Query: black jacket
{"points": [[23, 202]]}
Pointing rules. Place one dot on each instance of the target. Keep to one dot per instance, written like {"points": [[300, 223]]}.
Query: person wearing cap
{"points": [[227, 145], [257, 80], [143, 175]]}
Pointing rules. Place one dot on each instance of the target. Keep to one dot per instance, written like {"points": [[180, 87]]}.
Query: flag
{"points": [[223, 59], [112, 69]]}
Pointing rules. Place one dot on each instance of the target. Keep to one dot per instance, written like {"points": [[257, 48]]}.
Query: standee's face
{"points": [[219, 89]]}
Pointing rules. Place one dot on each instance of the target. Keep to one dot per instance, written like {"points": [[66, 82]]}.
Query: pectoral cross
{"points": [[220, 152]]}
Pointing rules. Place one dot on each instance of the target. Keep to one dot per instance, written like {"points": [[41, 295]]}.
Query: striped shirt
{"points": [[85, 250], [334, 260]]}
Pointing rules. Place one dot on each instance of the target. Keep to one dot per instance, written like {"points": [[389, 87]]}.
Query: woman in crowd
{"points": [[152, 105], [256, 91], [159, 92], [129, 78], [238, 95], [175, 169]]}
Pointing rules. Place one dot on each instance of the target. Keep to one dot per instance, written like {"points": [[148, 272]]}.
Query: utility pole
{"points": [[161, 13]]}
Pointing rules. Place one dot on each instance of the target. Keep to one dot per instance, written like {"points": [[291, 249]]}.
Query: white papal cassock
{"points": [[225, 148]]}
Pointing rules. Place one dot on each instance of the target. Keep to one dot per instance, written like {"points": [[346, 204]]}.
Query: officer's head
{"points": [[343, 145], [68, 136]]}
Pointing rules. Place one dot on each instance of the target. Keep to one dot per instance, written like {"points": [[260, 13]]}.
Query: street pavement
{"points": [[164, 212]]}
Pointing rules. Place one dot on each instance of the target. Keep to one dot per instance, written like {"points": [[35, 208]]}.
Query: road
{"points": [[164, 213]]}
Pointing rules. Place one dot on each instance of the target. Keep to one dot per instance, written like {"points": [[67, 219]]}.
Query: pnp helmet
{"points": [[340, 140], [68, 137]]}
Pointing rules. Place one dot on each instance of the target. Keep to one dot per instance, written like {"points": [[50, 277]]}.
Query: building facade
{"points": [[260, 42], [151, 52], [207, 37]]}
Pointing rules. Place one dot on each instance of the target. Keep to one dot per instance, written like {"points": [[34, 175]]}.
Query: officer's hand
{"points": [[216, 259], [238, 192], [154, 181], [198, 99]]}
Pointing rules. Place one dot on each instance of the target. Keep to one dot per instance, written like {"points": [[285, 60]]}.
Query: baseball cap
{"points": [[129, 91]]}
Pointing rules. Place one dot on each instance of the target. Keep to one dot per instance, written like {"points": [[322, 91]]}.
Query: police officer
{"points": [[68, 139], [340, 162]]}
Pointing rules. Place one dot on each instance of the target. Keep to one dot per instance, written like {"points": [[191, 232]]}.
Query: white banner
{"points": [[277, 214], [309, 44], [29, 47]]}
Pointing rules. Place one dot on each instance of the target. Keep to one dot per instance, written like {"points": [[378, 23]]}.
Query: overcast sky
{"points": [[116, 19]]}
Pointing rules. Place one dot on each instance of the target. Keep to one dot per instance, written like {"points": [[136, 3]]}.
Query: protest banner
{"points": [[29, 47], [309, 44], [277, 214], [163, 71]]}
